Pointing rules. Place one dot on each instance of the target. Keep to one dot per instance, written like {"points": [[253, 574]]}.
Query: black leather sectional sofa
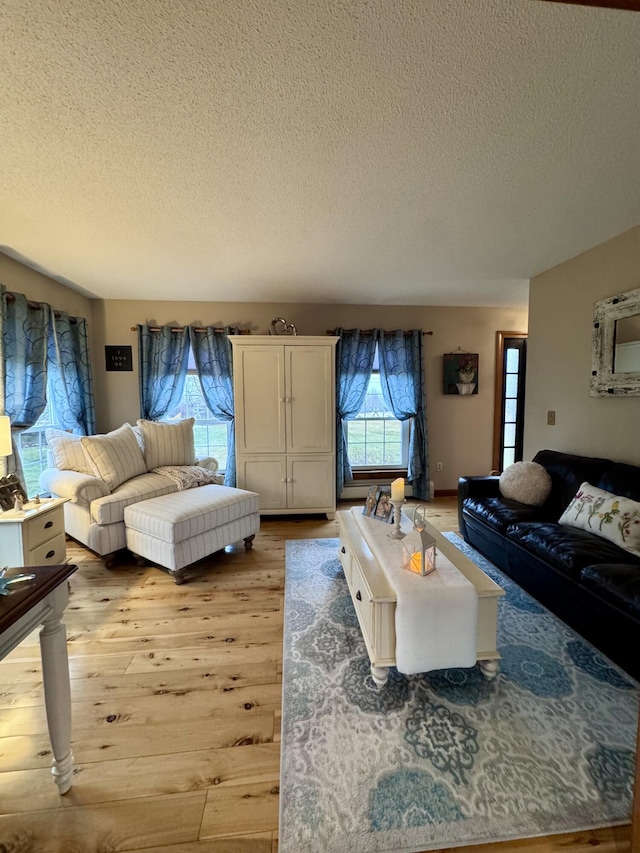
{"points": [[586, 580]]}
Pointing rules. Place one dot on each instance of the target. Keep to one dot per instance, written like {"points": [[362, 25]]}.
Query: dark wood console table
{"points": [[42, 601]]}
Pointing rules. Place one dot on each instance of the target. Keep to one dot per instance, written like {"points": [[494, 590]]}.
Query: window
{"points": [[32, 447], [210, 434], [375, 437]]}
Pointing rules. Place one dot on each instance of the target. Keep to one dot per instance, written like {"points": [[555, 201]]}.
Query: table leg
{"points": [[489, 668], [57, 697], [380, 675]]}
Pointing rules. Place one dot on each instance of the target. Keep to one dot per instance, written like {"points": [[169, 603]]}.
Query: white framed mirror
{"points": [[615, 360]]}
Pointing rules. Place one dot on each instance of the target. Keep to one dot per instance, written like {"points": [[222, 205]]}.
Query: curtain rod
{"points": [[195, 329], [37, 305], [366, 331]]}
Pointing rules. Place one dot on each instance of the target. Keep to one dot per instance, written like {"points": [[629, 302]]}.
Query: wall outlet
{"points": [[551, 418], [438, 466]]}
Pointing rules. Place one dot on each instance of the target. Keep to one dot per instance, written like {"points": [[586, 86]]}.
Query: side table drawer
{"points": [[51, 553], [43, 528]]}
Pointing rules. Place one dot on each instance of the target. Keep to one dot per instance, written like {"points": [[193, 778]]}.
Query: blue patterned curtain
{"points": [[69, 381], [355, 352], [164, 356], [24, 344], [213, 358], [402, 382]]}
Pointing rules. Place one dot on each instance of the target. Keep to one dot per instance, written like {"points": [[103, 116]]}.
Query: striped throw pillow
{"points": [[67, 451], [116, 456], [168, 444]]}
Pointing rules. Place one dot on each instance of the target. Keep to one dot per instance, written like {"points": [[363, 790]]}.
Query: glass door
{"points": [[511, 369]]}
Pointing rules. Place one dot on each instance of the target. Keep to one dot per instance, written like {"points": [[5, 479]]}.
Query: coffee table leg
{"points": [[380, 675], [489, 668]]}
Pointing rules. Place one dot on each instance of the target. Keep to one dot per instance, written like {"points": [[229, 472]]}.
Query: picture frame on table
{"points": [[384, 507], [371, 501]]}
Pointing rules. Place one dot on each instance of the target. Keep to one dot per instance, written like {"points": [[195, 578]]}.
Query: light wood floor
{"points": [[176, 711]]}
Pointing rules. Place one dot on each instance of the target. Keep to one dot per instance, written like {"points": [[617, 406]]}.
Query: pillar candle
{"points": [[397, 489]]}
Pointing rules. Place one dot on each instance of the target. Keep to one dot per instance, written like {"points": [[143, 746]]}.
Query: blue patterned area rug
{"points": [[444, 759]]}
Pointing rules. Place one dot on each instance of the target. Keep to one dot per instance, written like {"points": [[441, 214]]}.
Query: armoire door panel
{"points": [[267, 476], [260, 412], [310, 395], [310, 482]]}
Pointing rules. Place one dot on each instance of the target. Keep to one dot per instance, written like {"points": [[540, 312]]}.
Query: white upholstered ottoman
{"points": [[176, 530]]}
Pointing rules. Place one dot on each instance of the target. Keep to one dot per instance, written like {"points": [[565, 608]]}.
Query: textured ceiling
{"points": [[367, 151]]}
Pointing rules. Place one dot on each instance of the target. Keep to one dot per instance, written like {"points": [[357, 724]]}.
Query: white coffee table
{"points": [[375, 600]]}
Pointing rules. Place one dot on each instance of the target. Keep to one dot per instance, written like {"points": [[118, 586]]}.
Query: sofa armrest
{"points": [[209, 463], [79, 488], [482, 486]]}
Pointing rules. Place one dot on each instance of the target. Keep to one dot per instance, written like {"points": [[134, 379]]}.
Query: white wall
{"points": [[561, 302]]}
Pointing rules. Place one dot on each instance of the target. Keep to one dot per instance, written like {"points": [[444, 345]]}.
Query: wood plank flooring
{"points": [[176, 711]]}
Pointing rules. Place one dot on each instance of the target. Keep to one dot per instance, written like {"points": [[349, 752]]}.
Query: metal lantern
{"points": [[418, 546]]}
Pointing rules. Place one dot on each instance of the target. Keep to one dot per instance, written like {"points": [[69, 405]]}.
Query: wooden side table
{"points": [[42, 601], [33, 536]]}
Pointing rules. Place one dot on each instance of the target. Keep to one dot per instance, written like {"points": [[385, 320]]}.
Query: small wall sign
{"points": [[118, 358]]}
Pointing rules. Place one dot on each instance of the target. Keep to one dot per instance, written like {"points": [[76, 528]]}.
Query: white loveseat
{"points": [[102, 475]]}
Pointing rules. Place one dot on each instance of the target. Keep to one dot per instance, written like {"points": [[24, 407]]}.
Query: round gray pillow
{"points": [[525, 482]]}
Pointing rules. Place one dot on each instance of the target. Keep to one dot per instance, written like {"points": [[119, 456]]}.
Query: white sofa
{"points": [[102, 475]]}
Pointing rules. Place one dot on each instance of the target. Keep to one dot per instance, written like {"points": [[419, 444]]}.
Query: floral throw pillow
{"points": [[607, 515]]}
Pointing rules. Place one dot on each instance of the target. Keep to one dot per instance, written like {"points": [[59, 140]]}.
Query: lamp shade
{"points": [[5, 436]]}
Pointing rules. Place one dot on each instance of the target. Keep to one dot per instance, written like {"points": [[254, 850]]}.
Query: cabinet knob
{"points": [[48, 525], [343, 550], [284, 480], [49, 555], [287, 399], [358, 595]]}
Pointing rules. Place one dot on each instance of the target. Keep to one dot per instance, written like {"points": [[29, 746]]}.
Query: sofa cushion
{"points": [[168, 444], [566, 548], [116, 456], [110, 509], [621, 479], [499, 513], [611, 516], [567, 471], [618, 584], [67, 451]]}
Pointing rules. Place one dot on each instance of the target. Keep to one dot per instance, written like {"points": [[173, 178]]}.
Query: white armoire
{"points": [[285, 421]]}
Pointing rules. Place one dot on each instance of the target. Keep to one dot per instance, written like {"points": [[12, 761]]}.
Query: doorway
{"points": [[508, 424]]}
